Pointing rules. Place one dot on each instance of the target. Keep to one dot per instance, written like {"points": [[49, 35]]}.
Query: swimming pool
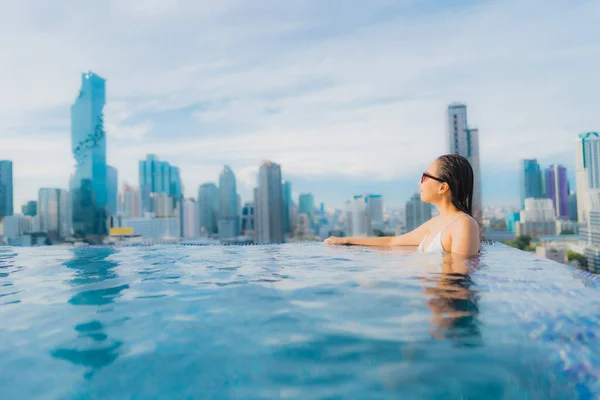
{"points": [[301, 321]]}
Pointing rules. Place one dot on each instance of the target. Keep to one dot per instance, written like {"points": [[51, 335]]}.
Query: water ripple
{"points": [[299, 321]]}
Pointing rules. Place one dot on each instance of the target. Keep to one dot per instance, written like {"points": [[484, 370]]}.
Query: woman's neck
{"points": [[446, 208]]}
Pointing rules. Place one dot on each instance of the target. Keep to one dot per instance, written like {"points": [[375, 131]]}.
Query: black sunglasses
{"points": [[426, 175]]}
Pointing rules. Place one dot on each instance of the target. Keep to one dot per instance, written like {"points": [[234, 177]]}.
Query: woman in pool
{"points": [[448, 185]]}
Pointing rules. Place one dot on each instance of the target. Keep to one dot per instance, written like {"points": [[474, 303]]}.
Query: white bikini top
{"points": [[436, 244]]}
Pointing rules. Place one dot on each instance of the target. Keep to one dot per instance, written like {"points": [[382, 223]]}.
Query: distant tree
{"points": [[573, 255], [522, 243], [567, 232]]}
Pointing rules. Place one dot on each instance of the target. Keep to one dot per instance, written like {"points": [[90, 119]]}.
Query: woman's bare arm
{"points": [[412, 238]]}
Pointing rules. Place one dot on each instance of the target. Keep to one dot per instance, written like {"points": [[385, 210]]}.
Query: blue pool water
{"points": [[303, 321]]}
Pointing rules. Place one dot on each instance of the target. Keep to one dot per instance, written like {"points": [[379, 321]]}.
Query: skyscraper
{"points": [[6, 188], [112, 188], [208, 208], [306, 205], [375, 211], [288, 204], [158, 177], [417, 212], [65, 213], [557, 189], [228, 205], [464, 140], [531, 181], [55, 212], [268, 204], [130, 202], [247, 219], [191, 222], [89, 150], [572, 206], [358, 221], [587, 172]]}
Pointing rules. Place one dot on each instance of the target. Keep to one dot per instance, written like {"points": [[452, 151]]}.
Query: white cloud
{"points": [[361, 93]]}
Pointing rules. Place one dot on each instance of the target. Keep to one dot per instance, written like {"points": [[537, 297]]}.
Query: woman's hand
{"points": [[336, 240]]}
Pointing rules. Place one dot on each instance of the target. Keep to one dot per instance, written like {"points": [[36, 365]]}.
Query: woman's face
{"points": [[430, 188]]}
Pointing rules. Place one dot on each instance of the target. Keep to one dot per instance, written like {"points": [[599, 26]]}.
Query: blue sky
{"points": [[348, 96]]}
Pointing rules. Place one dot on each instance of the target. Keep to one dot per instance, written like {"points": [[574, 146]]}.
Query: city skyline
{"points": [[365, 87]]}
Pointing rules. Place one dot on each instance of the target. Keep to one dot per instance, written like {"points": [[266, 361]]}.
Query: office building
{"points": [[417, 212], [531, 181], [208, 208], [228, 205], [88, 139], [268, 205], [464, 140]]}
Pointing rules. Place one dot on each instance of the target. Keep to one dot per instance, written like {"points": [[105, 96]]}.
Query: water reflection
{"points": [[453, 299], [95, 274], [8, 294]]}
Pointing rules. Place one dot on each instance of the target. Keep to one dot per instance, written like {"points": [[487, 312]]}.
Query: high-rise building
{"points": [[306, 205], [248, 219], [65, 214], [130, 202], [587, 173], [557, 189], [464, 140], [358, 218], [55, 216], [6, 188], [572, 204], [375, 211], [538, 210], [88, 139], [191, 222], [112, 189], [14, 226], [208, 208], [158, 177], [162, 205], [417, 212], [531, 181], [288, 204], [228, 205], [48, 211], [30, 208], [538, 218], [268, 204]]}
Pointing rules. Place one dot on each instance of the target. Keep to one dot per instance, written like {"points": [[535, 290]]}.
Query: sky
{"points": [[348, 96]]}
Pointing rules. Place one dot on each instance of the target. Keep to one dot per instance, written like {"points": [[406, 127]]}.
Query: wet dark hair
{"points": [[457, 172]]}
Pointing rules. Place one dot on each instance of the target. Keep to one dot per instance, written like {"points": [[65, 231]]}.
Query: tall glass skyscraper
{"points": [[208, 208], [531, 181], [158, 177], [228, 205], [464, 141], [268, 205], [6, 188], [88, 142], [557, 189]]}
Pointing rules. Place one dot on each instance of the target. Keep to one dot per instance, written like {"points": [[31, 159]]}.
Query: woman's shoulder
{"points": [[466, 222]]}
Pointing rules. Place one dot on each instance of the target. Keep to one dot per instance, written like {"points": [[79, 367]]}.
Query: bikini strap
{"points": [[451, 221]]}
